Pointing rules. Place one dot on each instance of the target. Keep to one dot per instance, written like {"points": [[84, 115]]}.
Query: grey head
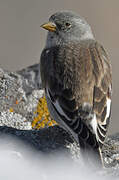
{"points": [[66, 26]]}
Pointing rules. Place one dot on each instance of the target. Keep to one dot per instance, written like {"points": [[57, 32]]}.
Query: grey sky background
{"points": [[22, 39]]}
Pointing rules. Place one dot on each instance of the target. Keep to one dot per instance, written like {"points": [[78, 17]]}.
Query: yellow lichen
{"points": [[42, 118], [11, 110]]}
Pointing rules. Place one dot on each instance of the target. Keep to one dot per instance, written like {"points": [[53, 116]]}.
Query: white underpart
{"points": [[108, 103], [93, 124]]}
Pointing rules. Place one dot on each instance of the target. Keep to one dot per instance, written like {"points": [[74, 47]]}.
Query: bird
{"points": [[76, 75]]}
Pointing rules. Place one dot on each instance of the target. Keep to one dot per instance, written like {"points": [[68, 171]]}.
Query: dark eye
{"points": [[68, 24]]}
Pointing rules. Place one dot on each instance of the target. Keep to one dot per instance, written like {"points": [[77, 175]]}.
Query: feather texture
{"points": [[77, 81]]}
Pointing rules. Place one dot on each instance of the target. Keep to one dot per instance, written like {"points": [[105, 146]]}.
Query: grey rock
{"points": [[19, 98], [31, 78]]}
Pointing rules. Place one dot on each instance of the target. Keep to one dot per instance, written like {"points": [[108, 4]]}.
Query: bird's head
{"points": [[66, 26]]}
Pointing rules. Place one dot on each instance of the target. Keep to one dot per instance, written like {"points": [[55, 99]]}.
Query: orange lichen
{"points": [[16, 102], [42, 118]]}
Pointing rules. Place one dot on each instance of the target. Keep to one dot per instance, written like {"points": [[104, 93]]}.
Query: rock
{"points": [[31, 78], [19, 99]]}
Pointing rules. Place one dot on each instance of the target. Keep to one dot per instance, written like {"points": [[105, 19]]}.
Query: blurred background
{"points": [[22, 39]]}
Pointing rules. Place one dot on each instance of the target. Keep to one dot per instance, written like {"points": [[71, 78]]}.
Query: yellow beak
{"points": [[50, 26]]}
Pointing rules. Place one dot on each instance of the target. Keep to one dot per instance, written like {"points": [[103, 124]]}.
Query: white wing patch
{"points": [[108, 104], [101, 132], [93, 124]]}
